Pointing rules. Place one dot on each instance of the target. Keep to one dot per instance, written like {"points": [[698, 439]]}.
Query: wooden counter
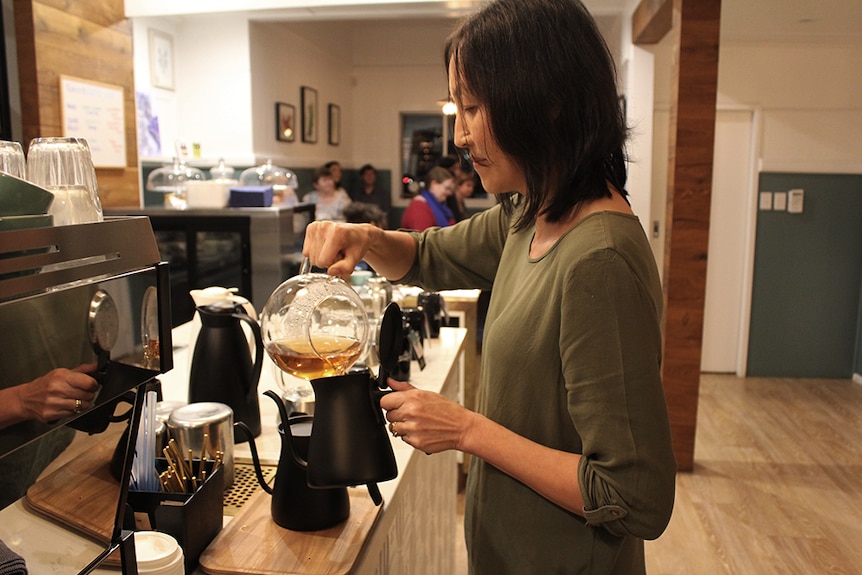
{"points": [[463, 305], [414, 532]]}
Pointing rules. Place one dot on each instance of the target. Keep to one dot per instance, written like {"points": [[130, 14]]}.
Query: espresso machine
{"points": [[94, 295]]}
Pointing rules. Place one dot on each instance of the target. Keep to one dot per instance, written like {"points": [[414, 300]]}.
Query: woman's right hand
{"points": [[337, 246]]}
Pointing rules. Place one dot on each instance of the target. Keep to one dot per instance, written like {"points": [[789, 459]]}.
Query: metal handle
{"points": [[305, 267]]}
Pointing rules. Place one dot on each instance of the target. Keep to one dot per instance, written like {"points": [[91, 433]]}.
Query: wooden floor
{"points": [[777, 483]]}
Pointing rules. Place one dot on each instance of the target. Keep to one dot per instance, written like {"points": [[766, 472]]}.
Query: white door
{"points": [[728, 236]]}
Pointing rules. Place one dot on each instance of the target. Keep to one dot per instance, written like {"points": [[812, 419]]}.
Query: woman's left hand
{"points": [[423, 419]]}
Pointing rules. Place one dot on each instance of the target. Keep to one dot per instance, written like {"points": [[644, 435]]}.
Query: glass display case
{"points": [[252, 249]]}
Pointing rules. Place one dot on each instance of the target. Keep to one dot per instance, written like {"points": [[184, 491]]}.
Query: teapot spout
{"points": [[254, 457]]}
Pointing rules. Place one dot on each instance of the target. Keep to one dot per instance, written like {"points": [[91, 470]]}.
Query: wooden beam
{"points": [[651, 21], [696, 25]]}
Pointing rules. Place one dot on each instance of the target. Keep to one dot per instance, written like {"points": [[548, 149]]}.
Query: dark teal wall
{"points": [[807, 286]]}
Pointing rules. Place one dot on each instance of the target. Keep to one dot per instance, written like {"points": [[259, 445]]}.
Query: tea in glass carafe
{"points": [[314, 326]]}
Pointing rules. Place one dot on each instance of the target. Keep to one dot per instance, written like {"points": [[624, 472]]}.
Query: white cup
{"points": [[158, 554]]}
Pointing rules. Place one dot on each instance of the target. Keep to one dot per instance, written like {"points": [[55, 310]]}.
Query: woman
{"points": [[572, 463], [334, 168], [329, 202], [429, 208]]}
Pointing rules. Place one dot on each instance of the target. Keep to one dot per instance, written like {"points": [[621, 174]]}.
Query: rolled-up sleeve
{"points": [[612, 354]]}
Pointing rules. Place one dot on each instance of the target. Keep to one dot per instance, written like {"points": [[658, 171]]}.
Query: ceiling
{"points": [[793, 21], [832, 21]]}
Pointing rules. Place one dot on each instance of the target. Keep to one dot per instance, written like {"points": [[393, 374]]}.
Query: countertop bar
{"points": [[267, 212], [415, 529]]}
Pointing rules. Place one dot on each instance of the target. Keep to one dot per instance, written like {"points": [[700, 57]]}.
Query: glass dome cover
{"points": [[269, 174], [173, 177], [222, 172]]}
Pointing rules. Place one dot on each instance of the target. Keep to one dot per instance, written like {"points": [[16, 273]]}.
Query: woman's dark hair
{"points": [[438, 174], [547, 82], [321, 172]]}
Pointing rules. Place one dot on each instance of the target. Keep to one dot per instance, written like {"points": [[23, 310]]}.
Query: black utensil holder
{"points": [[193, 519]]}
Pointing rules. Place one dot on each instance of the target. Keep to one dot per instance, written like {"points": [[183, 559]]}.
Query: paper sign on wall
{"points": [[96, 112]]}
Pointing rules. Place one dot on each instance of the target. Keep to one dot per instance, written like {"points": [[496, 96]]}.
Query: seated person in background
{"points": [[368, 191], [364, 213], [329, 203], [429, 209], [453, 164], [463, 190], [335, 169]]}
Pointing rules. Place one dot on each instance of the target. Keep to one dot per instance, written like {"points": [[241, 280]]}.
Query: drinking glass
{"points": [[12, 159], [64, 166]]}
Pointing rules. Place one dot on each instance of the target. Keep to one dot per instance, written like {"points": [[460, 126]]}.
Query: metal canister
{"points": [[189, 424]]}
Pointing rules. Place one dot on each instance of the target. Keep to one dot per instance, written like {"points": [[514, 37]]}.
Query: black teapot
{"points": [[296, 505], [222, 369], [314, 326]]}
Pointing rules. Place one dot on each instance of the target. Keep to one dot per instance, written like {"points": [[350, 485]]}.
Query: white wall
{"points": [[211, 103], [809, 94], [807, 99], [286, 57], [230, 73], [639, 93], [398, 68]]}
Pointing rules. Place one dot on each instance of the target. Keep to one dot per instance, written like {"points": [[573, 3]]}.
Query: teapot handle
{"points": [[254, 457], [258, 353], [376, 395]]}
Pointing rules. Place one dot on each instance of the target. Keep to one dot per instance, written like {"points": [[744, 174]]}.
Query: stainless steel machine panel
{"points": [[95, 295]]}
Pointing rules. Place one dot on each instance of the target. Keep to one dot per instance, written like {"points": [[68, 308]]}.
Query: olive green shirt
{"points": [[571, 360]]}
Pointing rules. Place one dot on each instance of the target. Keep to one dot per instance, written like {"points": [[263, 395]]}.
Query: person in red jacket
{"points": [[428, 208]]}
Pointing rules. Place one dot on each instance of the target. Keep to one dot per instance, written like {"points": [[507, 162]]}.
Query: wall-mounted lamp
{"points": [[449, 107]]}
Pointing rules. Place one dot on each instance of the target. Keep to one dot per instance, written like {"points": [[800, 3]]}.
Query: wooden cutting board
{"points": [[252, 543], [82, 493]]}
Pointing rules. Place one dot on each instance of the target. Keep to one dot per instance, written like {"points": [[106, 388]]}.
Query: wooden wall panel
{"points": [[90, 40]]}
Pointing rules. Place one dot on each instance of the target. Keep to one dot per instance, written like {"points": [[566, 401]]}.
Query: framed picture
{"points": [[309, 114], [334, 124], [285, 122], [161, 60]]}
